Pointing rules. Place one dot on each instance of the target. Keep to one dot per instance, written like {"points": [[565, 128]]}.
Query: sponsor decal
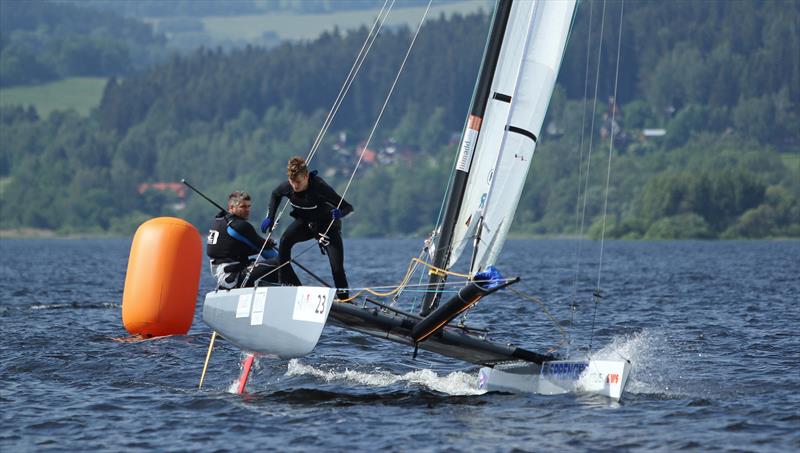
{"points": [[612, 378], [564, 370], [243, 305], [310, 304], [259, 302], [467, 148]]}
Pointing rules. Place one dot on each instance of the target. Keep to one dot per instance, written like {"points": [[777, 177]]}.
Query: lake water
{"points": [[710, 327]]}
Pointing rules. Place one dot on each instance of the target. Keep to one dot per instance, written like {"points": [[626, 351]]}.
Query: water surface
{"points": [[710, 327]]}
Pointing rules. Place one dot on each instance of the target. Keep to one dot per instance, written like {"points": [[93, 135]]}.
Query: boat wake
{"points": [[456, 383], [652, 359], [655, 368]]}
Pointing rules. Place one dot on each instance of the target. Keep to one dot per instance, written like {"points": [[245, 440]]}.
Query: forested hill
{"points": [[306, 76], [199, 8], [722, 64], [42, 41], [721, 80]]}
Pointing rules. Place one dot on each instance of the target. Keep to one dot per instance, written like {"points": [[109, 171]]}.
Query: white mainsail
{"points": [[525, 76]]}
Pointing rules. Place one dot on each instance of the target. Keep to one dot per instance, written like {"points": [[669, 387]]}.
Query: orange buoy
{"points": [[163, 278]]}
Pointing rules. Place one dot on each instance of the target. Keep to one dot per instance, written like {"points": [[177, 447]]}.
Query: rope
{"points": [[423, 285], [608, 175], [425, 249], [413, 269], [404, 282], [547, 313]]}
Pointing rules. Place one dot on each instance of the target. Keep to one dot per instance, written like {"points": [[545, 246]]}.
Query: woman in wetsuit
{"points": [[315, 207]]}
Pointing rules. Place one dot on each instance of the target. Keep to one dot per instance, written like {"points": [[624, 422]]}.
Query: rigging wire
{"points": [[361, 156], [578, 219], [354, 69], [383, 107], [380, 19], [591, 138], [608, 173], [594, 115]]}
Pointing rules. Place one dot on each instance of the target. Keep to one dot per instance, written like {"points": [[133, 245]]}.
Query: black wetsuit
{"points": [[311, 210], [231, 241]]}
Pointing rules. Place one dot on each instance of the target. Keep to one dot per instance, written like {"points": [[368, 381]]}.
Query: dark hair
{"points": [[236, 197], [297, 167]]}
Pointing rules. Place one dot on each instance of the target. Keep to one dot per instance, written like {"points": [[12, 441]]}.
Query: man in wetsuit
{"points": [[231, 242], [317, 211]]}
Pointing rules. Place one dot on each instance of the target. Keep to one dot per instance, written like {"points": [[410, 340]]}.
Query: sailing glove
{"points": [[269, 251], [265, 224], [336, 213]]}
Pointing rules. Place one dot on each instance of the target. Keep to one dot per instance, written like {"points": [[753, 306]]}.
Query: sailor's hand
{"points": [[265, 224], [336, 214], [324, 240], [271, 243]]}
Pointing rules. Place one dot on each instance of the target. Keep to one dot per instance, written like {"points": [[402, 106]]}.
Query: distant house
{"points": [[654, 132], [175, 187]]}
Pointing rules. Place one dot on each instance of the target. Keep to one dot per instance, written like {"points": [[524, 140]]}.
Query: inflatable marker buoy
{"points": [[163, 278]]}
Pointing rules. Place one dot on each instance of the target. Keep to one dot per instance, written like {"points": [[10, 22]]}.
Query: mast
{"points": [[469, 138]]}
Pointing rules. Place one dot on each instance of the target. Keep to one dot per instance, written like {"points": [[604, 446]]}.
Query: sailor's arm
{"points": [[244, 232], [275, 200], [328, 194]]}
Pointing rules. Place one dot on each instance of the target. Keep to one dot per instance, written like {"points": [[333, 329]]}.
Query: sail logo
{"points": [[467, 147]]}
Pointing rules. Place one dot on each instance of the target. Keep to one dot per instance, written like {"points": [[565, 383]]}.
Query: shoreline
{"points": [[39, 233]]}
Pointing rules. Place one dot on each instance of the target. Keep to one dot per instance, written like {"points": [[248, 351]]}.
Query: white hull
{"points": [[285, 321], [601, 377]]}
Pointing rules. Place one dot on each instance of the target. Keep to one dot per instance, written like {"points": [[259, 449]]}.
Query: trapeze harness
{"points": [[230, 244]]}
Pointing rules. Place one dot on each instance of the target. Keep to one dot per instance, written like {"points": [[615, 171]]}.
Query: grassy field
{"points": [[309, 26], [79, 93]]}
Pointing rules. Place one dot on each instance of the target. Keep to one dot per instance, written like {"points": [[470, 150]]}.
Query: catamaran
{"points": [[518, 72]]}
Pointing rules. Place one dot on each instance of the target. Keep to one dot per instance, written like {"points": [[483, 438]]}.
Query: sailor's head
{"points": [[239, 204], [297, 171]]}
